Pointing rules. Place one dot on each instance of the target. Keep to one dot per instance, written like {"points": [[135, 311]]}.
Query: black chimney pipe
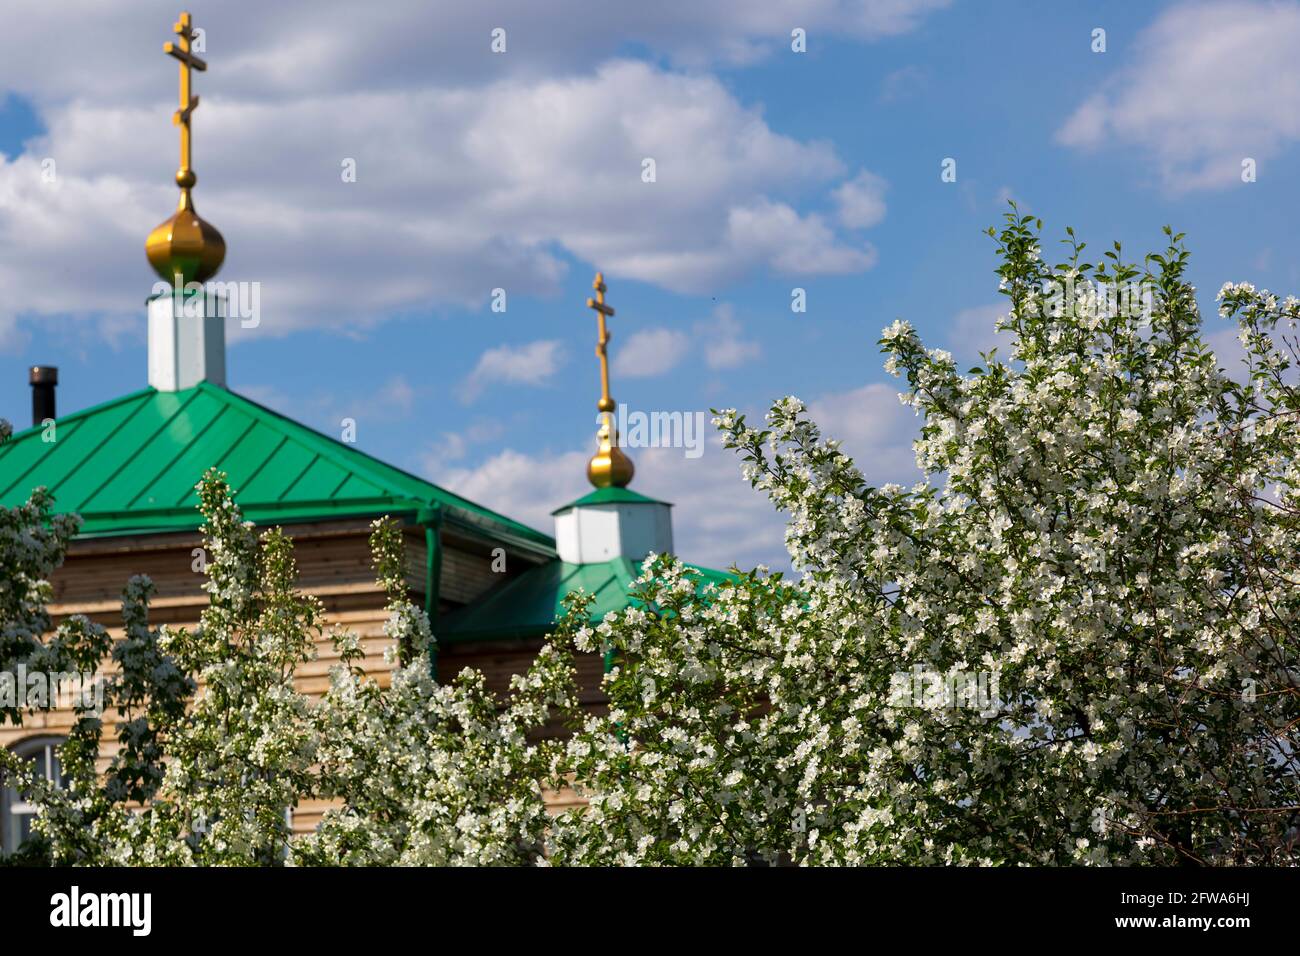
{"points": [[44, 378]]}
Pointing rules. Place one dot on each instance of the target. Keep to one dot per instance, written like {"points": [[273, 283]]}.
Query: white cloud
{"points": [[718, 519], [720, 340], [531, 364], [1005, 195], [723, 338], [861, 200], [975, 330], [452, 447], [1228, 350], [483, 429], [526, 487], [287, 50], [876, 430], [397, 397], [327, 408], [12, 338], [903, 83], [459, 190], [1209, 84], [1087, 125], [650, 352], [774, 233]]}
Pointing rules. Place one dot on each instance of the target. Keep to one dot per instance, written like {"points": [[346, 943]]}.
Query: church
{"points": [[492, 586]]}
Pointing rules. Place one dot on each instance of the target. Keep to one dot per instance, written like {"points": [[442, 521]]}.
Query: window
{"points": [[16, 813]]}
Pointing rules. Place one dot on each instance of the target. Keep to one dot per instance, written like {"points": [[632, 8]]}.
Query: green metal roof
{"points": [[602, 496], [529, 605], [130, 466]]}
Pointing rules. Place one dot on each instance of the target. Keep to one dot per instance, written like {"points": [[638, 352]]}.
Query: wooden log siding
{"points": [[334, 563]]}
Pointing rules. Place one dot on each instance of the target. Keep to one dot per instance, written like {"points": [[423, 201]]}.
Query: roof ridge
{"points": [[135, 454], [80, 413], [248, 430], [149, 442], [75, 418], [532, 603], [176, 457], [356, 460]]}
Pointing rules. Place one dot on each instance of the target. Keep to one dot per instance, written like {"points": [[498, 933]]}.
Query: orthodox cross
{"points": [[184, 29], [603, 311]]}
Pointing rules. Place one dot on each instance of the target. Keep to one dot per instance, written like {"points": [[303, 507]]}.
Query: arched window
{"points": [[16, 813]]}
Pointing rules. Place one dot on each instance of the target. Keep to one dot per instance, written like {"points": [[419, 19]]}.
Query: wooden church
{"points": [[129, 465]]}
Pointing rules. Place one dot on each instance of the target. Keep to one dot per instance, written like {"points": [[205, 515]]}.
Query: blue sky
{"points": [[775, 170]]}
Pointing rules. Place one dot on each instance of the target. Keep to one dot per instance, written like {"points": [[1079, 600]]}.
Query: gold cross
{"points": [[609, 467], [184, 29], [606, 404]]}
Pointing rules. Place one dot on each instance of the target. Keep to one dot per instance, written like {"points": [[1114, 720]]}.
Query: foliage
{"points": [[1106, 532], [217, 745], [432, 774], [1072, 641]]}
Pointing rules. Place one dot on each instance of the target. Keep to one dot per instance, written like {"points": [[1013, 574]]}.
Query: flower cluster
{"points": [[432, 774]]}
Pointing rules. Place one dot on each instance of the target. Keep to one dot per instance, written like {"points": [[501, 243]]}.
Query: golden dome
{"points": [[185, 249], [609, 467], [185, 245]]}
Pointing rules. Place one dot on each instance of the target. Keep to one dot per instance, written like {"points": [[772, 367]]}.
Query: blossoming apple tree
{"points": [[1072, 640], [1106, 521]]}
